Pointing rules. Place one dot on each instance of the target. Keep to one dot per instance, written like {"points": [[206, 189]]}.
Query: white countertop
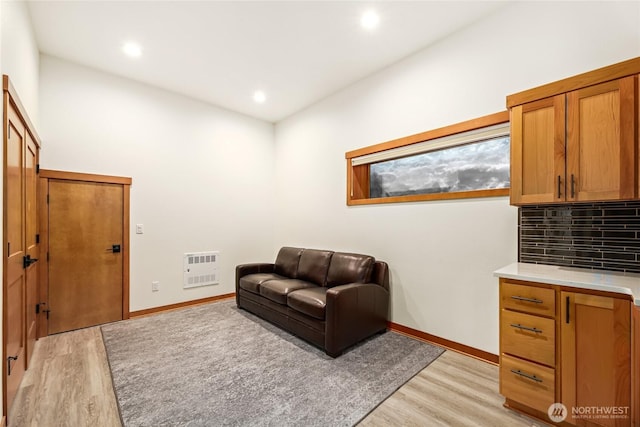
{"points": [[598, 280]]}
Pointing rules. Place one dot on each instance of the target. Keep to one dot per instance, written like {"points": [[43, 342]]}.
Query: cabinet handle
{"points": [[526, 328], [567, 317], [559, 194], [573, 184], [533, 300], [522, 374]]}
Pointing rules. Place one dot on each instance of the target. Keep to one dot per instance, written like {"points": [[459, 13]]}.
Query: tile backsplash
{"points": [[590, 235]]}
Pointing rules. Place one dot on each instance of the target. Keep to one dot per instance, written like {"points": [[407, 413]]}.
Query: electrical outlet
{"points": [[155, 286]]}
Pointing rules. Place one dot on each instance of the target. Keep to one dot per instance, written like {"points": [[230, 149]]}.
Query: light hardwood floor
{"points": [[68, 384]]}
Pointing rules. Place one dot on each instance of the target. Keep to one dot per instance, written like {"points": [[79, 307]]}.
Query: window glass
{"points": [[479, 165]]}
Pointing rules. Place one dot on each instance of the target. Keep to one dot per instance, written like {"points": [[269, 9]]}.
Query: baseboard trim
{"points": [[3, 423], [442, 342], [155, 310]]}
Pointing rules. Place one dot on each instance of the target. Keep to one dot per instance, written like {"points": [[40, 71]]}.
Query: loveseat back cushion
{"points": [[287, 262], [314, 265], [349, 268]]}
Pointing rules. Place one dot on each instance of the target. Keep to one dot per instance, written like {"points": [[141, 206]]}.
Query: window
{"points": [[469, 159]]}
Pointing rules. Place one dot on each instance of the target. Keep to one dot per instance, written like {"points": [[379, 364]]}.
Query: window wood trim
{"points": [[358, 176]]}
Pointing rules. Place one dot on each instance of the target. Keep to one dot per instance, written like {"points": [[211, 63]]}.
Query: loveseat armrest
{"points": [[253, 268], [353, 312], [257, 267]]}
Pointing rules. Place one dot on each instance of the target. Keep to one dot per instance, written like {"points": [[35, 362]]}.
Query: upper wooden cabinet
{"points": [[578, 145]]}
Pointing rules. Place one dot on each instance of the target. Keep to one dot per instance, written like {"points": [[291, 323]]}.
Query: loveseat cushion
{"points": [[277, 290], [349, 268], [252, 282], [287, 262], [314, 265], [310, 301]]}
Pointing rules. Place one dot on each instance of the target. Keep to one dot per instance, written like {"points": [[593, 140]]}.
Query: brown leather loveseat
{"points": [[331, 299]]}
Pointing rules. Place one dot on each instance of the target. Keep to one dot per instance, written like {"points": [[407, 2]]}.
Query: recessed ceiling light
{"points": [[259, 96], [132, 49], [369, 20]]}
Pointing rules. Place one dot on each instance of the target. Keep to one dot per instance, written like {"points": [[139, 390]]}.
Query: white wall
{"points": [[441, 254], [20, 55], [203, 177]]}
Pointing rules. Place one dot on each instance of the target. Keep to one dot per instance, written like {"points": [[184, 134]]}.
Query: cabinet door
{"points": [[538, 151], [601, 141], [596, 358], [635, 367]]}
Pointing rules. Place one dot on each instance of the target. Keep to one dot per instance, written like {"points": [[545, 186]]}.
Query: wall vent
{"points": [[200, 269]]}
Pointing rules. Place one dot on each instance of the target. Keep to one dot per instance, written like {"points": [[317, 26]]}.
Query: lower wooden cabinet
{"points": [[569, 346], [596, 358]]}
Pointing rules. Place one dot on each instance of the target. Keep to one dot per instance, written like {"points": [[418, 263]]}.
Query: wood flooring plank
{"points": [[453, 390], [69, 384]]}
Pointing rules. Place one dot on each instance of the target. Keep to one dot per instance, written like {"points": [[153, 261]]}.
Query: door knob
{"points": [[27, 261], [9, 360], [114, 248]]}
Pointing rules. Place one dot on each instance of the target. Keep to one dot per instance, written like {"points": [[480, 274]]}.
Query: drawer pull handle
{"points": [[526, 328], [522, 374], [533, 300]]}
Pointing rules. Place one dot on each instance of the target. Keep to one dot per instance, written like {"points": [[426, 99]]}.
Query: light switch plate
{"points": [[139, 228]]}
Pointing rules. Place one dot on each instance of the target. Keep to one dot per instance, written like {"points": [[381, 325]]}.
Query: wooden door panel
{"points": [[14, 190], [42, 265], [596, 348], [15, 346], [31, 183], [15, 251], [601, 138], [31, 244], [537, 151], [85, 276]]}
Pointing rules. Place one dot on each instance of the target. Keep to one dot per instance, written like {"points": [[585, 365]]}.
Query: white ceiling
{"points": [[220, 52]]}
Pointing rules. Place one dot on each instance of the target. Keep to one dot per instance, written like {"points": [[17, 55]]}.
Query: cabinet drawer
{"points": [[529, 299], [527, 336], [526, 382]]}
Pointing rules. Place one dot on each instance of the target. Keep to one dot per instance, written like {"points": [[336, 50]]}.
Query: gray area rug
{"points": [[215, 365]]}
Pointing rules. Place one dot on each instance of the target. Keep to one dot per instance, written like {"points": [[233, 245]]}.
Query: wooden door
{"points": [[14, 297], [596, 356], [538, 151], [85, 254], [601, 141]]}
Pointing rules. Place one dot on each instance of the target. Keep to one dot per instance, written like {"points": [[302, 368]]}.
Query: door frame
{"points": [[43, 221]]}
